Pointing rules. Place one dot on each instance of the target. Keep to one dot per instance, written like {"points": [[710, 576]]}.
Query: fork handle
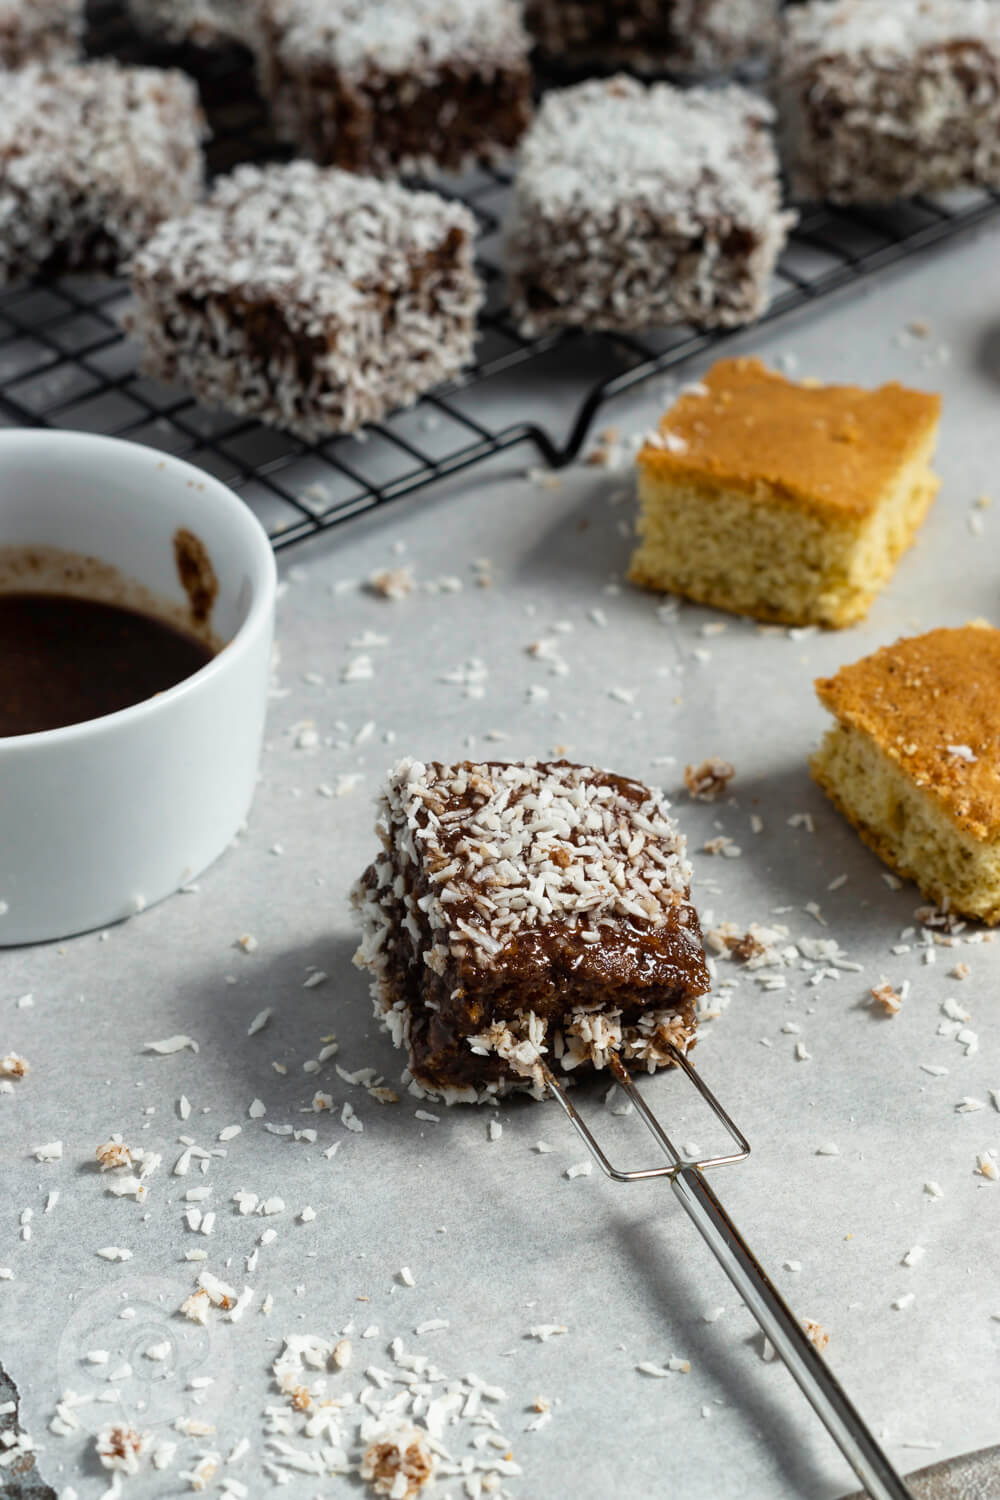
{"points": [[813, 1375]]}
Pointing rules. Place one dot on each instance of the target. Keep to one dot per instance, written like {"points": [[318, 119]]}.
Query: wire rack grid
{"points": [[65, 361]]}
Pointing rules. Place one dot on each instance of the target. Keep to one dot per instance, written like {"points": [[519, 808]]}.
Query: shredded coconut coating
{"points": [[313, 299], [379, 85], [42, 31], [884, 101], [204, 22], [485, 867], [415, 37], [94, 156], [696, 37], [636, 206]]}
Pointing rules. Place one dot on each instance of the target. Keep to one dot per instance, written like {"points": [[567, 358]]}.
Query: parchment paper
{"points": [[497, 1239]]}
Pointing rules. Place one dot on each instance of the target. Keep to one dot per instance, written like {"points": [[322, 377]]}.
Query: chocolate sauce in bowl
{"points": [[65, 659]]}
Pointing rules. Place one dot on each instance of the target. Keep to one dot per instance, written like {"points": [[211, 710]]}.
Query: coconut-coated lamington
{"points": [[913, 761], [93, 156], [882, 101], [383, 85], [40, 31], [206, 23], [790, 502], [522, 915], [695, 37], [637, 206], [310, 298]]}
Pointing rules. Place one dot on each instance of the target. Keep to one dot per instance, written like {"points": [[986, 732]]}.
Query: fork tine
{"points": [[810, 1371]]}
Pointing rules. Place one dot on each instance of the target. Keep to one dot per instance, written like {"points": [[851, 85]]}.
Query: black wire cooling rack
{"points": [[64, 361]]}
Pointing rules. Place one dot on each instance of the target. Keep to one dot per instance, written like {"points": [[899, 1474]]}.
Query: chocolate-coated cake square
{"points": [[694, 37], [40, 31], [92, 157], [380, 85], [206, 23], [636, 207], [313, 299], [884, 101], [527, 914]]}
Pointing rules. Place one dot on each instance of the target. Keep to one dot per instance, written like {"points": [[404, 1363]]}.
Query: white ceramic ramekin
{"points": [[101, 819]]}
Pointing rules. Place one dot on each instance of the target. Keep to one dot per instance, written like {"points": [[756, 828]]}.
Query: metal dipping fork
{"points": [[687, 1178]]}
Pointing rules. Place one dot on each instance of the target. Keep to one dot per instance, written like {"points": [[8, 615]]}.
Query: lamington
{"points": [[527, 916], [683, 37], [885, 101], [93, 156], [383, 85], [41, 31], [789, 502], [307, 297], [913, 761], [205, 23], [637, 206]]}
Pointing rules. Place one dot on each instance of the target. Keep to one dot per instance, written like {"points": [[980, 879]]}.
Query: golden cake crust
{"points": [[922, 695], [830, 449]]}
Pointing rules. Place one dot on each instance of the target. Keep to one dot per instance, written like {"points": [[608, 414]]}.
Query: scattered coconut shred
{"points": [[394, 1419]]}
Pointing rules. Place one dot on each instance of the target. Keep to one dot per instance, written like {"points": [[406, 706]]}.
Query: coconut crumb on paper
{"points": [[392, 583], [398, 1463], [710, 779], [170, 1045], [120, 1447], [113, 1154], [884, 995], [12, 1065], [815, 1333], [545, 1331]]}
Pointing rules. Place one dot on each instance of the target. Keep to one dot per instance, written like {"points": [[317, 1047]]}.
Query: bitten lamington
{"points": [[310, 298], [640, 206], [522, 914], [913, 761], [695, 37], [885, 101], [382, 85], [40, 31], [92, 157]]}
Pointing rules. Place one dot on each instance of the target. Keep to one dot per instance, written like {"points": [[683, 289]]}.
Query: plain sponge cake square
{"points": [[790, 502], [913, 761]]}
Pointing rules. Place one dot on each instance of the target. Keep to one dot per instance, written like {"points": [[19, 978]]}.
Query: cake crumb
{"points": [[709, 780], [12, 1065], [113, 1154], [986, 1166], [392, 583], [816, 1333], [399, 1463], [120, 1447], [889, 999]]}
